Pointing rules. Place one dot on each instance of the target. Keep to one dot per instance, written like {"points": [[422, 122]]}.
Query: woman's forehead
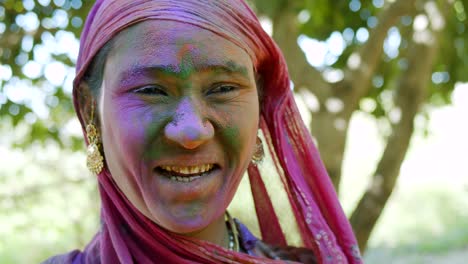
{"points": [[178, 46]]}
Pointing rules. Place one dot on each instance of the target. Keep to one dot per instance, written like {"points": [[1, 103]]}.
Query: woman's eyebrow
{"points": [[183, 71]]}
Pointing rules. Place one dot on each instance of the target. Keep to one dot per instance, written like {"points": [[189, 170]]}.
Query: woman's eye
{"points": [[222, 89], [150, 90]]}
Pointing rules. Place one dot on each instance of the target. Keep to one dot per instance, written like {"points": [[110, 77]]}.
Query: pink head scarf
{"points": [[129, 237]]}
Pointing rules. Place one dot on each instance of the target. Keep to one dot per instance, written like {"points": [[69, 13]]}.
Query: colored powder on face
{"points": [[237, 68], [154, 125], [231, 137], [187, 66], [189, 53], [191, 58]]}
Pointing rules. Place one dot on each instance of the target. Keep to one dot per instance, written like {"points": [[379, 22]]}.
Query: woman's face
{"points": [[179, 116]]}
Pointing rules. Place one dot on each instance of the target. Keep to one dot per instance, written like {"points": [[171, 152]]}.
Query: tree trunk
{"points": [[330, 127], [411, 94], [307, 79]]}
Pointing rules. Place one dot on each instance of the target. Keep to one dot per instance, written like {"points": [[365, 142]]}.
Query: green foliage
{"points": [[318, 19], [268, 8], [453, 58], [23, 42], [30, 26]]}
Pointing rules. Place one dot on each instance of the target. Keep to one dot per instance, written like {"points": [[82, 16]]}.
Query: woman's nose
{"points": [[188, 129]]}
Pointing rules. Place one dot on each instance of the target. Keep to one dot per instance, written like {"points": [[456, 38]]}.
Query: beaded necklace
{"points": [[233, 233]]}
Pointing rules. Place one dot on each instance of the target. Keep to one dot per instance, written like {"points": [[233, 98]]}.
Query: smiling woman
{"points": [[171, 96], [172, 120]]}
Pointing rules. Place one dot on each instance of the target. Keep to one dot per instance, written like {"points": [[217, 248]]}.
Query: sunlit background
{"points": [[49, 203]]}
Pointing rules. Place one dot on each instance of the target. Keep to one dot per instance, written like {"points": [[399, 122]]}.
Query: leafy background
{"points": [[49, 202]]}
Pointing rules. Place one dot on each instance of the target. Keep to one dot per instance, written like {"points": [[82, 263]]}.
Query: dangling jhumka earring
{"points": [[94, 159], [259, 153]]}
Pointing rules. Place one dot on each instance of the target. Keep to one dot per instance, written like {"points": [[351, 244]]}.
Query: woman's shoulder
{"points": [[297, 254], [90, 254], [67, 258]]}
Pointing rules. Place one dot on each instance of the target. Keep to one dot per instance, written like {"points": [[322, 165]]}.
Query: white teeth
{"points": [[189, 169]]}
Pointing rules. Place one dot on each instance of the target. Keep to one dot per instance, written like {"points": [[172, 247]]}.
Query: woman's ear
{"points": [[87, 104]]}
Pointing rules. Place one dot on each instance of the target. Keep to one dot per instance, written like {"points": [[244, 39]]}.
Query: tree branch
{"points": [[363, 63], [286, 33]]}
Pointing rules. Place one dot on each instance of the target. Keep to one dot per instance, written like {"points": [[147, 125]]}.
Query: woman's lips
{"points": [[182, 187]]}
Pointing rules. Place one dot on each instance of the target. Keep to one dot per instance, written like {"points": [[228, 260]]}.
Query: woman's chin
{"points": [[190, 207], [189, 216], [186, 223]]}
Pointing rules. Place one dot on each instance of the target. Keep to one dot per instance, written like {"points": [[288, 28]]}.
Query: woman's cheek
{"points": [[138, 115]]}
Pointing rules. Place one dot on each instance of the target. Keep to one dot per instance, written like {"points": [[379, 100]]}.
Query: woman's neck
{"points": [[216, 233]]}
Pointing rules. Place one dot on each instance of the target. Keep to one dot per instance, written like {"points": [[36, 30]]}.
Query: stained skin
{"points": [[175, 94]]}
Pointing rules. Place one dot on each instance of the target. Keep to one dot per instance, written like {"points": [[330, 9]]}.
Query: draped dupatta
{"points": [[127, 236]]}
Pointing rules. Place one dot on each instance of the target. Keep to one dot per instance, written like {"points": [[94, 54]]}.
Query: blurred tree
{"points": [[37, 56], [399, 58], [392, 59]]}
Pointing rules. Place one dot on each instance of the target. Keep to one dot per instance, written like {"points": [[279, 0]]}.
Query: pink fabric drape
{"points": [[129, 237]]}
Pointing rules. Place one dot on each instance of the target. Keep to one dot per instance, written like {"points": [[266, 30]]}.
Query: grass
{"points": [[427, 220]]}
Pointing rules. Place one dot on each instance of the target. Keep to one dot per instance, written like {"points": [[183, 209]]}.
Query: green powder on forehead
{"points": [[187, 66]]}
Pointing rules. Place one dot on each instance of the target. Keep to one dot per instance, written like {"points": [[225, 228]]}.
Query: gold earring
{"points": [[259, 154], [94, 159]]}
